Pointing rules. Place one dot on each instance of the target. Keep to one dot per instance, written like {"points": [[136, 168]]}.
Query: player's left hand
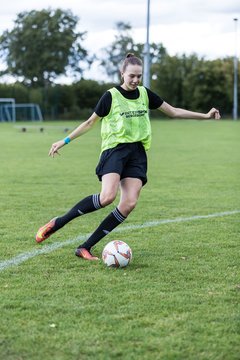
{"points": [[214, 114]]}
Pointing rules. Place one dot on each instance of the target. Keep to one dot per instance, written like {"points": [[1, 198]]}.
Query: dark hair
{"points": [[131, 59]]}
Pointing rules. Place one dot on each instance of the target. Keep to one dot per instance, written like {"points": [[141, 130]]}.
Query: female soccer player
{"points": [[126, 136]]}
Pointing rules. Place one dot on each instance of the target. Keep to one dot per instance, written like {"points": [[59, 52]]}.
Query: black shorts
{"points": [[127, 160]]}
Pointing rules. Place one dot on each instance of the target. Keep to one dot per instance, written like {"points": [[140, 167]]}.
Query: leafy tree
{"points": [[88, 92], [123, 44], [169, 75], [17, 91], [114, 53], [195, 83], [212, 82], [42, 45]]}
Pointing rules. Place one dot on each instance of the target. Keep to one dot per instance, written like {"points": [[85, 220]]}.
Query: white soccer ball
{"points": [[117, 254]]}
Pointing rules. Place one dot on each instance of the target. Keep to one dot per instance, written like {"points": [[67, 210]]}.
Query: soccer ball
{"points": [[117, 254]]}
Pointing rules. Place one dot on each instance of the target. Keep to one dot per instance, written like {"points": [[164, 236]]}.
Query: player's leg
{"points": [[109, 190], [89, 204], [110, 186], [130, 190]]}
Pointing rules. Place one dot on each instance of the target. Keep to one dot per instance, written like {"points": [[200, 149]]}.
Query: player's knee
{"points": [[107, 198], [128, 206]]}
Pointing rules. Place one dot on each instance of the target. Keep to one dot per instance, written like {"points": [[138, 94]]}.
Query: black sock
{"points": [[114, 219], [89, 204]]}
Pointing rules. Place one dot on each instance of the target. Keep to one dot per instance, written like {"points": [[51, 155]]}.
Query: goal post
{"points": [[7, 109]]}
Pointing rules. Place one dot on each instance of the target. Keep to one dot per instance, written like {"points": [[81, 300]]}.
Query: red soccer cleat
{"points": [[45, 231], [85, 254]]}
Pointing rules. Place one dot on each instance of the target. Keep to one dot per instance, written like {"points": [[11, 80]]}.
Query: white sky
{"points": [[203, 27]]}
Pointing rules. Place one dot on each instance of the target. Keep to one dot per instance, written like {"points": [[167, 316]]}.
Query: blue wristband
{"points": [[67, 140]]}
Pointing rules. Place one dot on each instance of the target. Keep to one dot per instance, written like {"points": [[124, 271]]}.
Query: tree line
{"points": [[45, 44]]}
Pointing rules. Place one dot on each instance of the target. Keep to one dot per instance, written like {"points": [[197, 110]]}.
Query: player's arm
{"points": [[80, 130], [186, 114]]}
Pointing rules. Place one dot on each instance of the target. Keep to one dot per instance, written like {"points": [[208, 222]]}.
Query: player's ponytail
{"points": [[131, 59], [130, 55]]}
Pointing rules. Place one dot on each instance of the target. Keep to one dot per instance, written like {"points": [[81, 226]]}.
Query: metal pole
{"points": [[146, 69], [235, 84]]}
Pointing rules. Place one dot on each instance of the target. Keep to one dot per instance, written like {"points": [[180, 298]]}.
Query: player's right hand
{"points": [[55, 147]]}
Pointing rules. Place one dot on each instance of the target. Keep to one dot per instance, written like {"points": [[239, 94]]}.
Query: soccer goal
{"points": [[10, 111]]}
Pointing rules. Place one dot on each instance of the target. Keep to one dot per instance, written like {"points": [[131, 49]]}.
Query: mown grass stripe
{"points": [[49, 248]]}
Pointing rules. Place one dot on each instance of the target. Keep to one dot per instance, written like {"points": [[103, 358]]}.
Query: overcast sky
{"points": [[204, 27]]}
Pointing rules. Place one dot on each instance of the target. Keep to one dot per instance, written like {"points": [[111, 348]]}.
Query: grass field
{"points": [[178, 299]]}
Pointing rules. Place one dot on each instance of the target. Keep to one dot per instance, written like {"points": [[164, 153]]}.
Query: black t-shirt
{"points": [[104, 105]]}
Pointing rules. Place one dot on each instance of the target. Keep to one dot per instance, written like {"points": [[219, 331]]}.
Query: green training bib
{"points": [[127, 121]]}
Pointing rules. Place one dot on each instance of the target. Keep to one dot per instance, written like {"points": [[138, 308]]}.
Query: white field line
{"points": [[49, 248]]}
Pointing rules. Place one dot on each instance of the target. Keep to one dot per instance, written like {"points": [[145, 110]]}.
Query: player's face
{"points": [[132, 77]]}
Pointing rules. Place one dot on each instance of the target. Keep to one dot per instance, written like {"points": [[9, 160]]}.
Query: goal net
{"points": [[10, 111]]}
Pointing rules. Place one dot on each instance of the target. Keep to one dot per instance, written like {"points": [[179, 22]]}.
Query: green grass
{"points": [[178, 299]]}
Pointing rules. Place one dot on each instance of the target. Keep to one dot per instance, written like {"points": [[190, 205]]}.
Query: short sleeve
{"points": [[104, 105], [155, 101]]}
